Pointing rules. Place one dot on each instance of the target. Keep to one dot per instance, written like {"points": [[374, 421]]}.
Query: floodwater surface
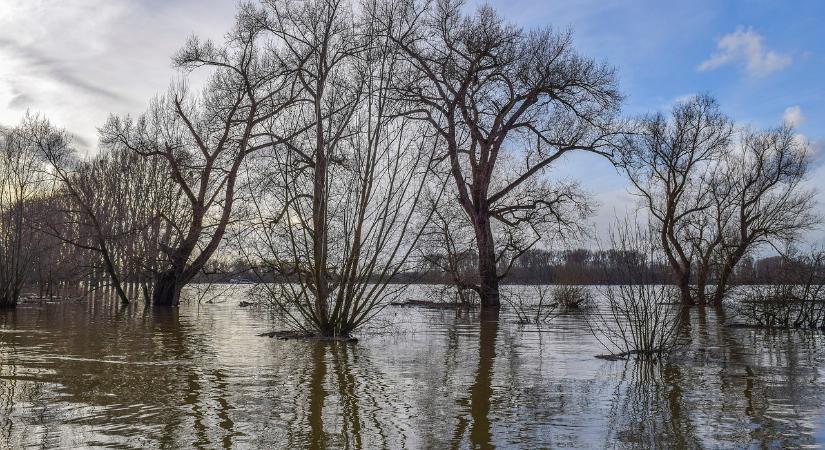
{"points": [[95, 374]]}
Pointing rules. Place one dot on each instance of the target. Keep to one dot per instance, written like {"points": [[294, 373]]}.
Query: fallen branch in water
{"points": [[297, 335], [626, 355], [431, 304]]}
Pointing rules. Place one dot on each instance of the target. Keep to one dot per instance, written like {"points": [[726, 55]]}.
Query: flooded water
{"points": [[89, 374]]}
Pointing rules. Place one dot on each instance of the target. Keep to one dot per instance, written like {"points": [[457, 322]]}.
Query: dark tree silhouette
{"points": [[714, 194], [507, 103], [204, 141]]}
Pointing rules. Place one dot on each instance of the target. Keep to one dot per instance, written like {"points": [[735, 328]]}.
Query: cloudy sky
{"points": [[77, 61]]}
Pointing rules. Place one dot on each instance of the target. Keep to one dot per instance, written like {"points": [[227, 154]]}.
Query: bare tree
{"points": [[337, 204], [715, 194], [112, 207], [507, 103], [204, 141], [763, 201], [670, 162], [56, 268]]}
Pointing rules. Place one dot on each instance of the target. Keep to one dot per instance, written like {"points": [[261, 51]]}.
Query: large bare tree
{"points": [[507, 104], [204, 140], [762, 199], [671, 161]]}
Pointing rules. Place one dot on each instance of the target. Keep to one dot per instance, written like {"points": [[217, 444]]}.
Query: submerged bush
{"points": [[783, 306], [572, 298], [449, 294], [540, 304], [799, 302], [638, 318], [531, 304]]}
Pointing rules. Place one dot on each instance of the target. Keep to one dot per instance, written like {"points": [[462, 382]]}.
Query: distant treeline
{"points": [[537, 266], [582, 266]]}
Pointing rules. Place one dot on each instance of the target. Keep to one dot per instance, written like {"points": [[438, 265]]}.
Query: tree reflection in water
{"points": [[481, 391], [97, 374], [341, 403], [742, 387], [648, 409]]}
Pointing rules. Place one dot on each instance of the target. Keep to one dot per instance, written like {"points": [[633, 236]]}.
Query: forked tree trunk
{"points": [[702, 275], [721, 286], [725, 274]]}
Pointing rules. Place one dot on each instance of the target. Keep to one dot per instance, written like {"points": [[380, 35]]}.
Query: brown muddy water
{"points": [[94, 374]]}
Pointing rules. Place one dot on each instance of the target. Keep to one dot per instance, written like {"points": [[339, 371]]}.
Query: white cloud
{"points": [[793, 116], [76, 61], [745, 46], [678, 100]]}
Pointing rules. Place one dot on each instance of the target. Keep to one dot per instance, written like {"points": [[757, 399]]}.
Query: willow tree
{"points": [[507, 104], [203, 141], [337, 203]]}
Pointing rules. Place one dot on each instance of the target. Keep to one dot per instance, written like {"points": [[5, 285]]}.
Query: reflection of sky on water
{"points": [[96, 374]]}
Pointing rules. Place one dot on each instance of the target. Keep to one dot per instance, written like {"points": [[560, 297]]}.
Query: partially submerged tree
{"points": [[714, 194], [204, 140], [670, 162], [337, 203], [762, 201], [507, 104], [111, 206]]}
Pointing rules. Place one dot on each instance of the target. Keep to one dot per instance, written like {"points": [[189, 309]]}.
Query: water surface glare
{"points": [[94, 374]]}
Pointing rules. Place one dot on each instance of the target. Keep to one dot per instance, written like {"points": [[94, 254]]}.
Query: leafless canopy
{"points": [[22, 182], [713, 192], [203, 141], [336, 204], [507, 103]]}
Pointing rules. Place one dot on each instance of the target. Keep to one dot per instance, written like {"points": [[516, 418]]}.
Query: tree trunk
{"points": [[721, 287], [725, 274], [109, 266], [701, 287], [681, 272], [684, 288], [487, 270], [167, 289], [319, 225]]}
